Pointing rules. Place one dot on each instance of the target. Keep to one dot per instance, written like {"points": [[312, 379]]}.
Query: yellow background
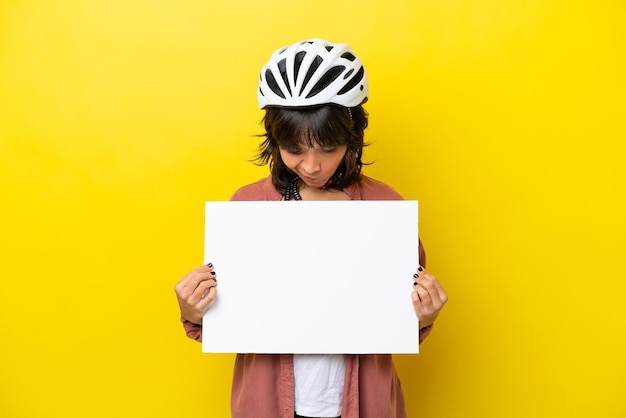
{"points": [[505, 119]]}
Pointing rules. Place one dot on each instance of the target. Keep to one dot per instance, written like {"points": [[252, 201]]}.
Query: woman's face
{"points": [[315, 165]]}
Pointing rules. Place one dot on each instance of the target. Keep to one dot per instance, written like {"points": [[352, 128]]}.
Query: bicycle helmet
{"points": [[313, 72]]}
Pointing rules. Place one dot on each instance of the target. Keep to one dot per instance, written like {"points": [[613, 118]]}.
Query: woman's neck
{"points": [[313, 193]]}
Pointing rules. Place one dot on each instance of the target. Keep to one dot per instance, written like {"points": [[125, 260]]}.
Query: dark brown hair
{"points": [[327, 125]]}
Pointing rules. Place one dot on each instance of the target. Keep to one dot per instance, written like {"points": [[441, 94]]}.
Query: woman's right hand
{"points": [[195, 292]]}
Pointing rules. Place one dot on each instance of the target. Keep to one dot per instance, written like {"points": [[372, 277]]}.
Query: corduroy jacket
{"points": [[263, 384]]}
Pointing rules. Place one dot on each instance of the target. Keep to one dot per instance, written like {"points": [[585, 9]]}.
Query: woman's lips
{"points": [[308, 179]]}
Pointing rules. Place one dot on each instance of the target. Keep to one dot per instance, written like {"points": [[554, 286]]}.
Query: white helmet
{"points": [[313, 72]]}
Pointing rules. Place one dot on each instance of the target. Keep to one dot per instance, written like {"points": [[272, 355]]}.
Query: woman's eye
{"points": [[294, 151], [329, 150]]}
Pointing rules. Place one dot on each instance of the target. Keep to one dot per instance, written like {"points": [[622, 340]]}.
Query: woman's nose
{"points": [[310, 162]]}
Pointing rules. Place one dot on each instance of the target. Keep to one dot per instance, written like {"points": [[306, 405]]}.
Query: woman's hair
{"points": [[326, 125]]}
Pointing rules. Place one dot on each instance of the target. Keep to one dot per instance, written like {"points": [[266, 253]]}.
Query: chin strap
{"points": [[336, 178], [292, 189]]}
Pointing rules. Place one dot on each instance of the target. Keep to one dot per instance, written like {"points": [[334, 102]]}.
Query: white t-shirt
{"points": [[318, 380]]}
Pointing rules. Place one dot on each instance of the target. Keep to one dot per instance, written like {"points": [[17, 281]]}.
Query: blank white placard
{"points": [[312, 277]]}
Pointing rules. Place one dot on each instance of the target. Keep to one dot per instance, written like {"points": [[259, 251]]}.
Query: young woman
{"points": [[312, 93]]}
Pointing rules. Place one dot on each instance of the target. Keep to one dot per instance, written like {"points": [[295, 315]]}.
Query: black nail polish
{"points": [[212, 273], [415, 275], [420, 269], [210, 265], [414, 283]]}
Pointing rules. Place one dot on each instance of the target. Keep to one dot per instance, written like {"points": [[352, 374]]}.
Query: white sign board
{"points": [[313, 277]]}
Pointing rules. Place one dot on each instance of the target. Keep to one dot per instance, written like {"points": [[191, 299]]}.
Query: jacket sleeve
{"points": [[425, 331], [193, 331], [258, 190]]}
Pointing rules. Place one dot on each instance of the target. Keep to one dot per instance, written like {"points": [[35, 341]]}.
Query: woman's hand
{"points": [[428, 297], [195, 292]]}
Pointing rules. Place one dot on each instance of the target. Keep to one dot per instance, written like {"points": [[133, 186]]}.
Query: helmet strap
{"points": [[292, 188], [336, 178]]}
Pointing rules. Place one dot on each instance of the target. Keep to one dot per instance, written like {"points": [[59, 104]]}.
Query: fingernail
{"points": [[415, 275], [212, 273], [414, 283], [210, 265], [420, 268], [215, 280]]}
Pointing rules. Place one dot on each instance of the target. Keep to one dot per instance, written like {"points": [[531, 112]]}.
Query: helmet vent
{"points": [[272, 84], [326, 79], [297, 63], [349, 56], [282, 66], [352, 83], [314, 66]]}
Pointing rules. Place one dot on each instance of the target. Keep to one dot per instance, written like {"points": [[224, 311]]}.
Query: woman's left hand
{"points": [[428, 297]]}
